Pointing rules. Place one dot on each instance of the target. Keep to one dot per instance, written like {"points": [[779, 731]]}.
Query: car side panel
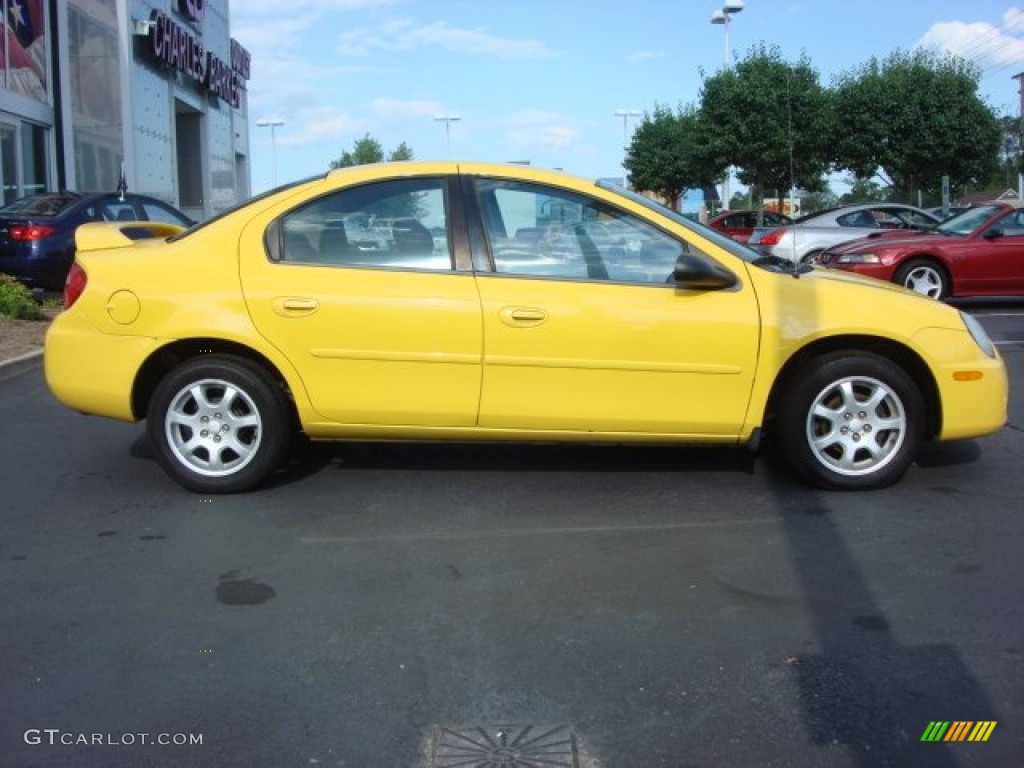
{"points": [[993, 266], [598, 356]]}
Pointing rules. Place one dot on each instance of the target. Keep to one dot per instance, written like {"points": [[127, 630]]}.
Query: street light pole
{"points": [[625, 114], [723, 16], [272, 124], [1019, 77], [448, 120]]}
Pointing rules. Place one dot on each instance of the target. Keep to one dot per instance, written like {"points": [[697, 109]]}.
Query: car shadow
{"points": [[476, 457], [308, 458]]}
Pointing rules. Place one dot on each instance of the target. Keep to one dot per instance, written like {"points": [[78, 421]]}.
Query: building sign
{"points": [[193, 10], [176, 47]]}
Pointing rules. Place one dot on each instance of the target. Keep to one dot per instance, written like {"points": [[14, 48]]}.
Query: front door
{"points": [[584, 330]]}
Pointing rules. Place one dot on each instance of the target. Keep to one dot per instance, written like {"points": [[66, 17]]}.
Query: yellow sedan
{"points": [[468, 301]]}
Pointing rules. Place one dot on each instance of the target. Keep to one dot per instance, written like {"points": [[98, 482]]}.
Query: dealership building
{"points": [[151, 91]]}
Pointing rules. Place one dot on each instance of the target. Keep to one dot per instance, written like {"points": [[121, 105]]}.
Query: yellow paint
{"points": [[403, 354]]}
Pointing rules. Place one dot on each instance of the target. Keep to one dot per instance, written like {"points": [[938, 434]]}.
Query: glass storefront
{"points": [[8, 162], [25, 98], [95, 94], [23, 49], [129, 101]]}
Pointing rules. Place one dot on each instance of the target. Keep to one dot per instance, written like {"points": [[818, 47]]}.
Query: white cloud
{"points": [[538, 130], [405, 35], [318, 125], [986, 45]]}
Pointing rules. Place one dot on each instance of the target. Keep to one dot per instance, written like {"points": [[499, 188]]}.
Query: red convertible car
{"points": [[979, 252]]}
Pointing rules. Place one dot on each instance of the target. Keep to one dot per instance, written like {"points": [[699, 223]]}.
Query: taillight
{"points": [[772, 237], [26, 233], [74, 285]]}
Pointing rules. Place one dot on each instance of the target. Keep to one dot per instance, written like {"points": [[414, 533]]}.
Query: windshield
{"points": [[40, 205], [968, 221], [718, 238]]}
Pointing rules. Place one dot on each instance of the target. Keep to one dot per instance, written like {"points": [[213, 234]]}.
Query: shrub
{"points": [[16, 300]]}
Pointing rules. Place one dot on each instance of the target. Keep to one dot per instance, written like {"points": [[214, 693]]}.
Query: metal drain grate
{"points": [[504, 746]]}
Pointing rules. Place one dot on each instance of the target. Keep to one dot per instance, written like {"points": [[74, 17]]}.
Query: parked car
{"points": [[807, 237], [979, 252], [739, 225], [37, 233], [660, 330], [949, 213]]}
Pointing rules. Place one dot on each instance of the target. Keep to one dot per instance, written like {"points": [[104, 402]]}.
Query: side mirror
{"points": [[701, 274], [992, 234]]}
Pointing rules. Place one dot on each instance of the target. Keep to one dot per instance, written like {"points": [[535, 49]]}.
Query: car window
{"points": [[966, 222], [394, 224], [50, 204], [539, 231], [158, 212], [912, 219], [857, 219], [118, 210]]}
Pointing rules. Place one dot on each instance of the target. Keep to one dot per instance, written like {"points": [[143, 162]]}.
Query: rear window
{"points": [[40, 205]]}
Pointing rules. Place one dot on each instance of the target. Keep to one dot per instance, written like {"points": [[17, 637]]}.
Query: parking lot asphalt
{"points": [[443, 605], [15, 366]]}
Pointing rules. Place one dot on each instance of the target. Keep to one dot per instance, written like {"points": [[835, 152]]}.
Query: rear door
{"points": [[358, 288]]}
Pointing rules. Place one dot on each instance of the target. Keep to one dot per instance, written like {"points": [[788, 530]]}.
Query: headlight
{"points": [[979, 334], [859, 258]]}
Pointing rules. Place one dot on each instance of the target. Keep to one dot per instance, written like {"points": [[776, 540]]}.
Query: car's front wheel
{"points": [[923, 276], [853, 421], [219, 424]]}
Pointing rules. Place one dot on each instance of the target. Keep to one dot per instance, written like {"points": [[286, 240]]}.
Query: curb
{"points": [[21, 364]]}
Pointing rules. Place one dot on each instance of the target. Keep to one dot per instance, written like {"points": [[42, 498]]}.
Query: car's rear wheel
{"points": [[811, 257], [854, 421], [924, 276], [219, 424]]}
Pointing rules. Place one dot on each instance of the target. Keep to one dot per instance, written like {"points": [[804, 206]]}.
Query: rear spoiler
{"points": [[103, 235]]}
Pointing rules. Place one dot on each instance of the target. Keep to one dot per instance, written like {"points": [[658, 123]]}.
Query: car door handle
{"points": [[522, 317], [292, 306]]}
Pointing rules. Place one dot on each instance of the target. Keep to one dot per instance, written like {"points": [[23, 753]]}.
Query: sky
{"points": [[541, 80]]}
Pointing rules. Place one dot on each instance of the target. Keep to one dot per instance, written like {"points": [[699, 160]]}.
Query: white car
{"points": [[803, 240]]}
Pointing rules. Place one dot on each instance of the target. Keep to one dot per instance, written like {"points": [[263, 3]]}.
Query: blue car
{"points": [[37, 233]]}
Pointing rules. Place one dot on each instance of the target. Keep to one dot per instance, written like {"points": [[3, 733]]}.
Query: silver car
{"points": [[803, 240]]}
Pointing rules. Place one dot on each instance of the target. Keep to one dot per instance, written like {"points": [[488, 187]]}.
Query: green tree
{"points": [[670, 153], [771, 119], [817, 200], [400, 153], [913, 118], [368, 150], [864, 191]]}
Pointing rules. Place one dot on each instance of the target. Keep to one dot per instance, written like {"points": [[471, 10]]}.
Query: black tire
{"points": [[219, 424], [811, 257], [925, 276], [853, 421]]}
